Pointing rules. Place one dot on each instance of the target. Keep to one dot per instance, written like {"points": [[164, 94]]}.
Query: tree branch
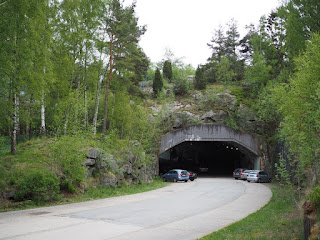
{"points": [[3, 3]]}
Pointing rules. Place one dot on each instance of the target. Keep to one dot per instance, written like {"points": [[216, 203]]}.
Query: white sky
{"points": [[186, 26]]}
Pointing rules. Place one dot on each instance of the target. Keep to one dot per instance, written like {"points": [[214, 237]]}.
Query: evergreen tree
{"points": [[200, 80], [167, 70], [157, 82], [218, 45], [232, 40], [123, 35]]}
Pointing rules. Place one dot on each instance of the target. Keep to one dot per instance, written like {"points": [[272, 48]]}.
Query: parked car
{"points": [[192, 175], [203, 169], [176, 175], [245, 174], [237, 172], [258, 176]]}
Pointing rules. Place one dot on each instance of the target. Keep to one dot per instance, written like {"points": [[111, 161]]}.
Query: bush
{"points": [[68, 155], [37, 185], [314, 197], [67, 186], [181, 86]]}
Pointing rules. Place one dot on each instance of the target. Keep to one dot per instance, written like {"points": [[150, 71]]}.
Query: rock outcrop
{"points": [[112, 172]]}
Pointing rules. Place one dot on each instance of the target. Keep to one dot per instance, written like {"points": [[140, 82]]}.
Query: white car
{"points": [[258, 176]]}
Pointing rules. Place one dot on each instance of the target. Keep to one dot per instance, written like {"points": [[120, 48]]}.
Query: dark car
{"points": [[203, 169], [237, 172], [176, 175], [192, 175]]}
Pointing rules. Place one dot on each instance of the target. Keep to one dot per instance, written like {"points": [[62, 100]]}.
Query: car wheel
{"points": [[174, 180], [164, 179], [269, 180], [248, 181], [191, 179], [186, 180]]}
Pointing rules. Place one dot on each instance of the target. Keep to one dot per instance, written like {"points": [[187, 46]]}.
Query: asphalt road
{"points": [[180, 211]]}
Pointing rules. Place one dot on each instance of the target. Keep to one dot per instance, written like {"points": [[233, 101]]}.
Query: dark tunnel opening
{"points": [[213, 158]]}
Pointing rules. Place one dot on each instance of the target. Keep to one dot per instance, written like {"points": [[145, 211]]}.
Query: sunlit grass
{"points": [[281, 218]]}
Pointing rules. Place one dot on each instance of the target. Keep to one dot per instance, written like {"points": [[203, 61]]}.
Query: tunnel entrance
{"points": [[213, 158], [217, 148]]}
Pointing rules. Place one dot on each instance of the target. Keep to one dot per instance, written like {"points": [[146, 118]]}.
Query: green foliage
{"points": [[258, 74], [157, 82], [211, 100], [238, 92], [167, 70], [225, 74], [181, 86], [232, 121], [68, 154], [298, 103], [37, 185], [67, 186], [282, 172], [200, 80], [314, 197]]}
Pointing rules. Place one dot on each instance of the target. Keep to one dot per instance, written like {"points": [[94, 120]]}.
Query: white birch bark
{"points": [[85, 107], [43, 116], [43, 109]]}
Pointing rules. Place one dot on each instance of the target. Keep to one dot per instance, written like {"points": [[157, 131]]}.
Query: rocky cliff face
{"points": [[209, 108], [111, 171]]}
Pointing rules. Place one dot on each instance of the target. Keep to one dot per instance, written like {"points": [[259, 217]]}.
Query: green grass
{"points": [[37, 154], [281, 218], [92, 193]]}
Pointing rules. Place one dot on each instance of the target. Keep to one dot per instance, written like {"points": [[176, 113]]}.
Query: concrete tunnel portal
{"points": [[218, 148]]}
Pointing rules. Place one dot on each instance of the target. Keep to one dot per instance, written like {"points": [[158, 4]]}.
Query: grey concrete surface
{"points": [[208, 132], [180, 211]]}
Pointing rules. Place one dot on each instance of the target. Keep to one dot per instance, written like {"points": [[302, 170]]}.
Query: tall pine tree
{"points": [[157, 82]]}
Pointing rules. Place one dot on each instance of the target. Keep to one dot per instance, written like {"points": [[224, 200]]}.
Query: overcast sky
{"points": [[186, 26]]}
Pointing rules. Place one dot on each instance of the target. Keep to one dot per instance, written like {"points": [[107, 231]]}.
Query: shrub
{"points": [[68, 157], [67, 186], [314, 197], [181, 86], [37, 185]]}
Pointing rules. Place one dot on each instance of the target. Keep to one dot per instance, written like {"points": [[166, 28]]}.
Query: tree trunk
{"points": [[85, 107], [85, 90], [14, 127], [17, 109], [96, 108], [107, 90], [43, 116], [77, 101], [66, 122]]}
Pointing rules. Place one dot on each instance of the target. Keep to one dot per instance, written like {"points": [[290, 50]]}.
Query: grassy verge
{"points": [[281, 218], [89, 194]]}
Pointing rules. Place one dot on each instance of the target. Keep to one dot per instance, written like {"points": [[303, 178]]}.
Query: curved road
{"points": [[180, 211]]}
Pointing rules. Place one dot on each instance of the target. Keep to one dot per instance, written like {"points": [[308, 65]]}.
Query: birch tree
{"points": [[15, 58]]}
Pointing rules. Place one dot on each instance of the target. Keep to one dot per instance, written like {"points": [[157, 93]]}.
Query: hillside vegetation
{"points": [[73, 78]]}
